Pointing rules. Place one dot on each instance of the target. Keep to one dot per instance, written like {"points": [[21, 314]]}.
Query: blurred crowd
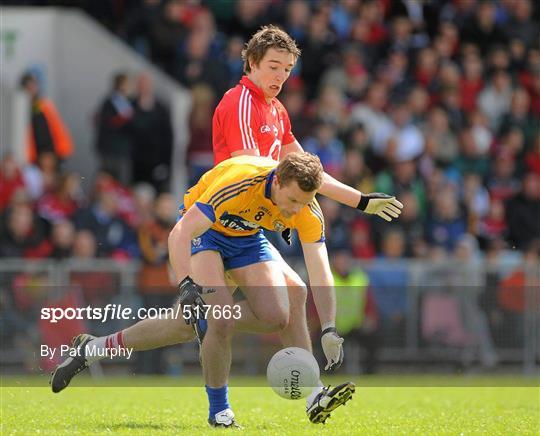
{"points": [[437, 103]]}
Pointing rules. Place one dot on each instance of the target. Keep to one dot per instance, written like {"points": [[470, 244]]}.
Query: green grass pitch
{"points": [[381, 405]]}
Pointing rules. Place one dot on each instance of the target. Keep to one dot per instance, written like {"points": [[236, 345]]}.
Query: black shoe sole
{"points": [[320, 415]]}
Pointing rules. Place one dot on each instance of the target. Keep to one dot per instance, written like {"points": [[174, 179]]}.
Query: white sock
{"points": [[102, 345], [314, 393]]}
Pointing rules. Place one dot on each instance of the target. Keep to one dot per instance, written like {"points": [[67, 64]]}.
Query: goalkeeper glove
{"points": [[190, 296], [332, 345], [383, 205]]}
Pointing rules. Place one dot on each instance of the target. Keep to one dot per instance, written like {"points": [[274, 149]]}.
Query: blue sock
{"points": [[218, 399], [203, 324]]}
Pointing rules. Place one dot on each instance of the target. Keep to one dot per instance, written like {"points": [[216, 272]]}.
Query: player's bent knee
{"points": [[222, 327], [277, 321], [297, 295], [293, 280]]}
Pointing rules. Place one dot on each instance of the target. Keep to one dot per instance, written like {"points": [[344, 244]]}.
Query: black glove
{"points": [[383, 205], [286, 235], [190, 296]]}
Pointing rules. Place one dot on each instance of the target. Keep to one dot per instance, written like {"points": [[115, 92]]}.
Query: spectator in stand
{"points": [[336, 221], [152, 136], [11, 179], [126, 207], [356, 313], [355, 172], [494, 100], [318, 52], [425, 70], [198, 64], [166, 33], [523, 211], [138, 26], [200, 157], [327, 146], [393, 72], [144, 196], [450, 101], [532, 159], [294, 100], [473, 157], [115, 136], [62, 240], [493, 227], [371, 114], [331, 108], [437, 130], [84, 245], [475, 197], [297, 20], [472, 82], [113, 236], [522, 25], [23, 234], [417, 104], [445, 224], [512, 295], [483, 28], [390, 290], [63, 202], [41, 177], [153, 280], [348, 75], [402, 140], [248, 18], [47, 132], [520, 117], [502, 182], [402, 177], [362, 245], [233, 60]]}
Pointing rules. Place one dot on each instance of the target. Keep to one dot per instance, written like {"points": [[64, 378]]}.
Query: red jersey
{"points": [[243, 120]]}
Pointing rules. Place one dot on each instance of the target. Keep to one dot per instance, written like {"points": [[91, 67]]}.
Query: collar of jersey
{"points": [[268, 187], [253, 88]]}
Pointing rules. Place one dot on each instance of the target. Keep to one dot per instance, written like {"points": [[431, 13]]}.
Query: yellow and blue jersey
{"points": [[235, 196]]}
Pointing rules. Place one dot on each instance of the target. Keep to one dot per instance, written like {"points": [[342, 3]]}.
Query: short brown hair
{"points": [[267, 37], [304, 168]]}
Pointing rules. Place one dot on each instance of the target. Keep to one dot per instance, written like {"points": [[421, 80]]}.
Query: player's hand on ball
{"points": [[190, 296], [383, 205], [332, 345]]}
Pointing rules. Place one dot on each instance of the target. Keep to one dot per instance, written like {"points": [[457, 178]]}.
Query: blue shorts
{"points": [[236, 252]]}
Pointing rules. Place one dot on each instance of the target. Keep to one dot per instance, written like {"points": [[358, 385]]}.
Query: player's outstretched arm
{"points": [[321, 283], [194, 223], [383, 205]]}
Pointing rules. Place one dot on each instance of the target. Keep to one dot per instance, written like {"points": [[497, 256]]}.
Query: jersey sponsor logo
{"points": [[234, 222], [279, 226], [265, 129]]}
